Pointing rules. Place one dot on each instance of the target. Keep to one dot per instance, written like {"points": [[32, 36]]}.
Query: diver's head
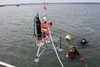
{"points": [[83, 40], [73, 49]]}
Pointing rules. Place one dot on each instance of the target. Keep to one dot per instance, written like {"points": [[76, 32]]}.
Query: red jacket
{"points": [[73, 55]]}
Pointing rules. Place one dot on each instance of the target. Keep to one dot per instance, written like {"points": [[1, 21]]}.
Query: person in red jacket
{"points": [[50, 24], [74, 53], [45, 28]]}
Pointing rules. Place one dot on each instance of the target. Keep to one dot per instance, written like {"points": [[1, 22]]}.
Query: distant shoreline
{"points": [[48, 3]]}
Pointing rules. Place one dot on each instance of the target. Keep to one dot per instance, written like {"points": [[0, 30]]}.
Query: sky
{"points": [[40, 1]]}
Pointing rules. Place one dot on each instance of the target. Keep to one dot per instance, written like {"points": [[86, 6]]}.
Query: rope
{"points": [[41, 53], [85, 64], [55, 49], [52, 40], [38, 51]]}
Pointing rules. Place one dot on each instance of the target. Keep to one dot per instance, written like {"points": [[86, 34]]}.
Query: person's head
{"points": [[73, 49], [51, 22], [83, 40], [44, 19], [45, 22]]}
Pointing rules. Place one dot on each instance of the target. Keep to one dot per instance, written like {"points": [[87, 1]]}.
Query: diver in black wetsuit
{"points": [[83, 42]]}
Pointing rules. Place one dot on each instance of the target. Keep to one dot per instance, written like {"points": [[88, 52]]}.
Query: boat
{"points": [[17, 5], [2, 5]]}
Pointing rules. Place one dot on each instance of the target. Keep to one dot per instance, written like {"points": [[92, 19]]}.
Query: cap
{"points": [[51, 22]]}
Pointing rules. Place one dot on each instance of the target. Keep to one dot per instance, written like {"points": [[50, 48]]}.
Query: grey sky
{"points": [[40, 1]]}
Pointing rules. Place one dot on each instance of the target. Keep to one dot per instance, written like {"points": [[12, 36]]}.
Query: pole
{"points": [[60, 42]]}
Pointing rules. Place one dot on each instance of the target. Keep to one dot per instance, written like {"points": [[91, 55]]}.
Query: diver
{"points": [[73, 53], [83, 42], [44, 28]]}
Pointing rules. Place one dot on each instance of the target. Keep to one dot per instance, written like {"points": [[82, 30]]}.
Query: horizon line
{"points": [[53, 3]]}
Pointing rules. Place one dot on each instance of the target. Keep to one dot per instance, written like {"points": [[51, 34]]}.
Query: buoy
{"points": [[68, 37]]}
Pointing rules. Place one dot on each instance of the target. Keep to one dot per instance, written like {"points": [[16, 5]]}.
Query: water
{"points": [[17, 45]]}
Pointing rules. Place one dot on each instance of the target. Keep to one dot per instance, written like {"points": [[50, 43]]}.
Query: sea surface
{"points": [[17, 44]]}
